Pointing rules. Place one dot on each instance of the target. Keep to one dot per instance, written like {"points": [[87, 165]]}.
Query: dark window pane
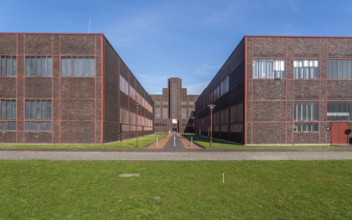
{"points": [[64, 66], [49, 66], [38, 110], [69, 66], [32, 110], [45, 66], [3, 66], [28, 66], [28, 107], [8, 66], [92, 67], [14, 66], [33, 67]]}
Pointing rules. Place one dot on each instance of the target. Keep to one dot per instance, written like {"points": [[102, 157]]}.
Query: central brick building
{"points": [[174, 108], [68, 88], [282, 90]]}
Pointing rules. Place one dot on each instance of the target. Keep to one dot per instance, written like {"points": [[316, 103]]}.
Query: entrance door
{"points": [[338, 135]]}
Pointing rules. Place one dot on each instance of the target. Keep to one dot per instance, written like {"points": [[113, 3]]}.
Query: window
{"points": [[340, 111], [306, 69], [165, 113], [340, 69], [268, 69], [8, 66], [124, 119], [123, 85], [305, 116], [38, 66], [224, 86], [7, 115], [38, 115], [184, 113], [157, 113], [78, 66], [132, 93]]}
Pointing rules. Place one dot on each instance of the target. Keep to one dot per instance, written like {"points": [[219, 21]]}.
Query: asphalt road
{"points": [[190, 155]]}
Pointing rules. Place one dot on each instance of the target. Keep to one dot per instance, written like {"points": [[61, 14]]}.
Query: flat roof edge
{"points": [[295, 36], [64, 33]]}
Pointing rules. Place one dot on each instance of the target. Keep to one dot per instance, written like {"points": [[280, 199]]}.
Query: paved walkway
{"points": [[178, 148], [190, 155], [174, 142]]}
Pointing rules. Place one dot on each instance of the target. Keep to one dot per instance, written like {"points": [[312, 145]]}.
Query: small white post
{"points": [[174, 141], [223, 178], [191, 141]]}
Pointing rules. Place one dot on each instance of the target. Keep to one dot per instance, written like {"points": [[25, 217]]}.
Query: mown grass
{"points": [[130, 143], [176, 190], [222, 144]]}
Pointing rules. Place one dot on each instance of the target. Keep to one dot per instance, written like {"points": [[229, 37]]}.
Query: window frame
{"points": [[306, 114], [8, 66], [275, 68], [38, 117], [301, 66], [340, 66], [8, 122], [78, 66], [32, 63]]}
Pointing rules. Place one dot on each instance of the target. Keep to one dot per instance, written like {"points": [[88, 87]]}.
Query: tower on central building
{"points": [[174, 108]]}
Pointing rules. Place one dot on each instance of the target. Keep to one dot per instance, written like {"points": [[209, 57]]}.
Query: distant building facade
{"points": [[282, 90], [174, 108], [68, 88]]}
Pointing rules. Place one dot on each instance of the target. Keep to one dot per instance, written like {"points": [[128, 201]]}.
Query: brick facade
{"points": [[85, 109], [269, 103], [180, 110]]}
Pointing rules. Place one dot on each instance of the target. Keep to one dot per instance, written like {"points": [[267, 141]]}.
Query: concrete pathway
{"points": [[188, 155], [174, 142]]}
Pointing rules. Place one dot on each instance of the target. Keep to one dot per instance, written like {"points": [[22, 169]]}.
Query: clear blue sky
{"points": [[190, 39]]}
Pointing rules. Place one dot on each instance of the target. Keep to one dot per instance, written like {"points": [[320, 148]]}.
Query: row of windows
{"points": [[220, 90], [37, 114], [303, 69], [126, 88], [128, 118], [43, 66], [306, 115]]}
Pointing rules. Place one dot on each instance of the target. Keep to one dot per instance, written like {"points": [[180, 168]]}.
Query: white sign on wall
{"points": [[174, 121]]}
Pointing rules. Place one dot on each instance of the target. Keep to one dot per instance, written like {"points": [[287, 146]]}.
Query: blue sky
{"points": [[190, 39]]}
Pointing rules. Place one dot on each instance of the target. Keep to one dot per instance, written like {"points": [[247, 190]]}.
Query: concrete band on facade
{"points": [[255, 108], [85, 104]]}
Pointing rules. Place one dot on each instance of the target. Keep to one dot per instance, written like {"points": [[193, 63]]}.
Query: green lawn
{"points": [[176, 190], [222, 144], [130, 143]]}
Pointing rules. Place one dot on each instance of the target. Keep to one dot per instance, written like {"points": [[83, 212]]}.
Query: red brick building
{"points": [[174, 108], [282, 90], [68, 88]]}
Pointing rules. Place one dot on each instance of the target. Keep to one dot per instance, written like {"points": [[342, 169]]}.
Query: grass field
{"points": [[130, 143], [176, 190], [222, 144]]}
